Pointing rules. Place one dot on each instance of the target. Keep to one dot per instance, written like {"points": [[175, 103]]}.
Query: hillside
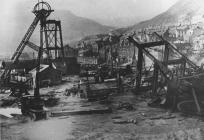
{"points": [[184, 11], [75, 28]]}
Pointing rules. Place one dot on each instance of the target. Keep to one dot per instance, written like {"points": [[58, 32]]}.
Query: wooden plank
{"points": [[152, 44], [196, 100], [81, 112], [175, 61], [146, 45]]}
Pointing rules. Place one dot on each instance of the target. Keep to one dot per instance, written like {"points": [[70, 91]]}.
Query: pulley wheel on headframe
{"points": [[42, 9]]}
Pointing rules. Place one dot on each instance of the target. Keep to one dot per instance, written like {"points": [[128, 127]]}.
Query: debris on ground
{"points": [[121, 121], [51, 100], [72, 91], [191, 134], [8, 101], [165, 116], [125, 105], [81, 112], [155, 102]]}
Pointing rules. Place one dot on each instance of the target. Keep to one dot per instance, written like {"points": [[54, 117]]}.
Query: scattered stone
{"points": [[132, 121], [64, 117], [126, 106], [120, 121], [192, 134]]}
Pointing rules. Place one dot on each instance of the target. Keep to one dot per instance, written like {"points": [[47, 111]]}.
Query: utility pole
{"points": [[41, 10]]}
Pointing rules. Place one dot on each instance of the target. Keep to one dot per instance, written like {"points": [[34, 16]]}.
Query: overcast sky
{"points": [[115, 8], [103, 11], [98, 9]]}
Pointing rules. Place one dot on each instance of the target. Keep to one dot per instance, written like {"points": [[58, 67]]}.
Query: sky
{"points": [[107, 12], [115, 8], [99, 9]]}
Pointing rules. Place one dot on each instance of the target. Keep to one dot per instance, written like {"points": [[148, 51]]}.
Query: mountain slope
{"points": [[73, 28], [184, 11]]}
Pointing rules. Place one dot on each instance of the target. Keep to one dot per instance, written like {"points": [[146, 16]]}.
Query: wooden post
{"points": [[139, 68], [196, 101], [37, 78], [61, 40], [165, 59], [166, 55], [46, 40], [183, 68], [105, 53], [56, 50], [155, 80]]}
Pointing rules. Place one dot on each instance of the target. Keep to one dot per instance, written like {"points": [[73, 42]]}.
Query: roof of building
{"points": [[42, 68]]}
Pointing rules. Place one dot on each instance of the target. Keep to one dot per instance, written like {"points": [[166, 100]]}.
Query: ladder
{"points": [[19, 50], [25, 39]]}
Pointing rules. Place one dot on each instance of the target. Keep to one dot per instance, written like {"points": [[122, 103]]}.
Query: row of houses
{"points": [[187, 37]]}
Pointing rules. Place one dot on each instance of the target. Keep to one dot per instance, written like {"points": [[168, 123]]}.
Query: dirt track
{"points": [[142, 122]]}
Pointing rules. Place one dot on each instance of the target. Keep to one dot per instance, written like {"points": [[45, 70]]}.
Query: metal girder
{"points": [[32, 46], [35, 47], [53, 22], [53, 38], [53, 48]]}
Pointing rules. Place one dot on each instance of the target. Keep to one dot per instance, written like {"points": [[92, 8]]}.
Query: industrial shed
{"points": [[47, 75]]}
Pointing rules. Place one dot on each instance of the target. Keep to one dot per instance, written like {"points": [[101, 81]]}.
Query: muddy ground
{"points": [[134, 121]]}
